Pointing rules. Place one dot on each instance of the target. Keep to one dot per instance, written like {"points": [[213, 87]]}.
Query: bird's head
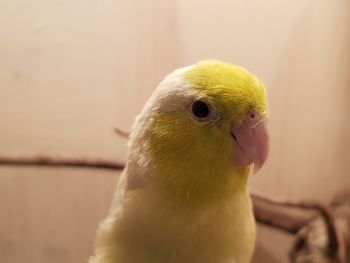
{"points": [[203, 130]]}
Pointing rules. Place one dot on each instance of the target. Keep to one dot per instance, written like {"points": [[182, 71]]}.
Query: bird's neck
{"points": [[203, 187]]}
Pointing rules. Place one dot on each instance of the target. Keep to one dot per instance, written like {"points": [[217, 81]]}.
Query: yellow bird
{"points": [[183, 196]]}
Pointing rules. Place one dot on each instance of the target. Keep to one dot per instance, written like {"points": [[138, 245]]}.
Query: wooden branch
{"points": [[276, 215], [288, 202], [321, 236], [60, 161], [271, 211], [121, 133]]}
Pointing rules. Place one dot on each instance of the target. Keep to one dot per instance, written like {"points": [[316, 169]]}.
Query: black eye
{"points": [[200, 109]]}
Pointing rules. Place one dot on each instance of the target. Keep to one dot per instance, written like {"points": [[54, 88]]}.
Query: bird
{"points": [[183, 196]]}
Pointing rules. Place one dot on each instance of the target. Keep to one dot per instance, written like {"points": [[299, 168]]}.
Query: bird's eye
{"points": [[200, 109]]}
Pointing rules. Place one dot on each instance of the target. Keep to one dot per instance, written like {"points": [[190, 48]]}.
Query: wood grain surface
{"points": [[71, 70]]}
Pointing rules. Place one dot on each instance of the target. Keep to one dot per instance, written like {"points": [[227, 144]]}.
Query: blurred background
{"points": [[71, 70]]}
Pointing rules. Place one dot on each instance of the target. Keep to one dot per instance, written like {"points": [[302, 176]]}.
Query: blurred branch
{"points": [[276, 215], [59, 161], [272, 211], [288, 202], [121, 133]]}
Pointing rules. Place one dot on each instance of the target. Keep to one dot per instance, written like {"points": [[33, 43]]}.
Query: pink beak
{"points": [[252, 142]]}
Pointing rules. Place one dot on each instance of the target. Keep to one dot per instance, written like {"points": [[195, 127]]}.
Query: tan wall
{"points": [[71, 70]]}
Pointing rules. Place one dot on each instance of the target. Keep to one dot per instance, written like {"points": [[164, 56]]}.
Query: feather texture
{"points": [[180, 198]]}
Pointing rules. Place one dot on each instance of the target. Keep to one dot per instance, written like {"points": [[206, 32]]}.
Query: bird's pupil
{"points": [[200, 109]]}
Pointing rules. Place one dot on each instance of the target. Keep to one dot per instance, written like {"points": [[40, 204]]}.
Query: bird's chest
{"points": [[222, 232]]}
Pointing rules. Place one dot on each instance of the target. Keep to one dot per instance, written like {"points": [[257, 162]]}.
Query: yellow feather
{"points": [[191, 204], [235, 90]]}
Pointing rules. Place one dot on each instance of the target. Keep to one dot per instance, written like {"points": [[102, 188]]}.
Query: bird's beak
{"points": [[252, 141]]}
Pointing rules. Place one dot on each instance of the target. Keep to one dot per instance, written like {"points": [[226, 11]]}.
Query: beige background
{"points": [[71, 70]]}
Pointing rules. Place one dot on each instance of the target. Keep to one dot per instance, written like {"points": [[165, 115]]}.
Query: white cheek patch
{"points": [[172, 94]]}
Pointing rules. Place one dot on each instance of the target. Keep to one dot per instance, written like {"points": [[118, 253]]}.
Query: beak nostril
{"points": [[252, 115], [234, 136]]}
